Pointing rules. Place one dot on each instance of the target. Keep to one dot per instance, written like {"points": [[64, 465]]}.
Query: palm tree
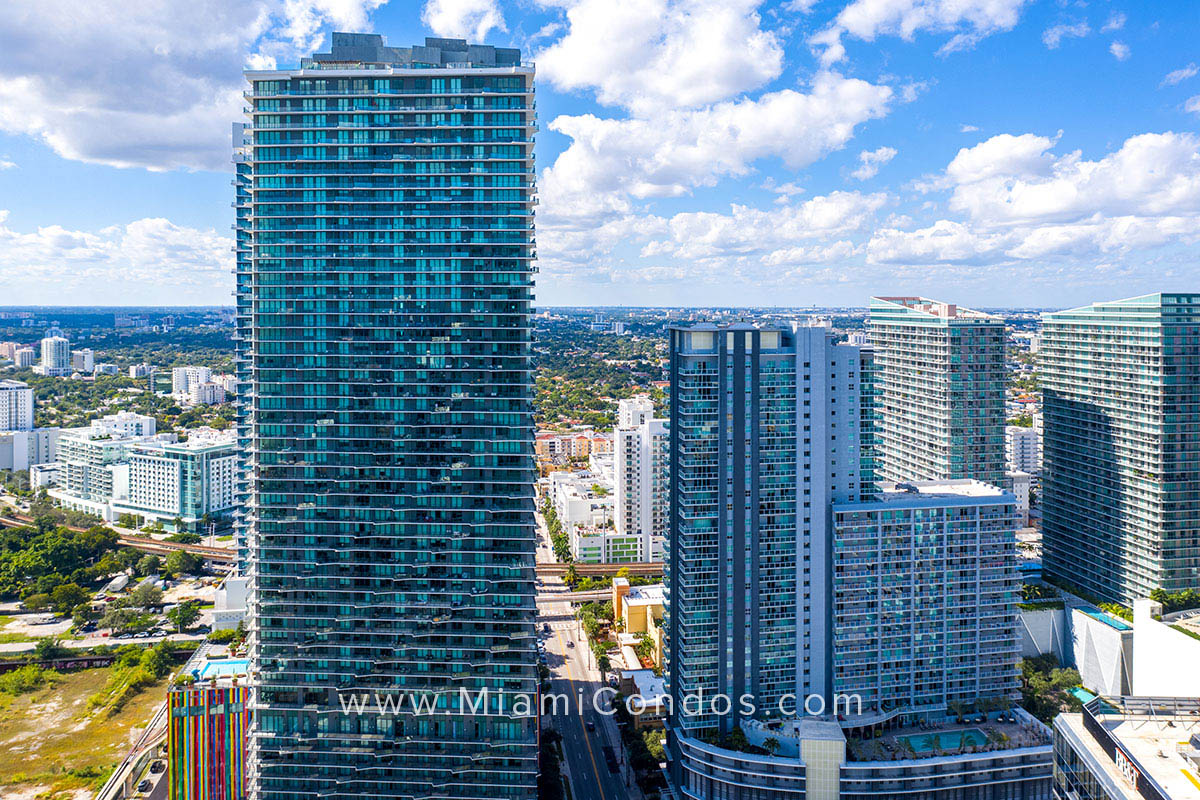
{"points": [[572, 576], [771, 745]]}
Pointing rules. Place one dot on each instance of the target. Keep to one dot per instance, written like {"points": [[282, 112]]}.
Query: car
{"points": [[144, 786], [545, 627], [591, 726], [570, 643], [158, 766]]}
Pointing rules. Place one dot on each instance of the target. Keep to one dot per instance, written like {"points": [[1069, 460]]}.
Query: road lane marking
{"points": [[586, 743]]}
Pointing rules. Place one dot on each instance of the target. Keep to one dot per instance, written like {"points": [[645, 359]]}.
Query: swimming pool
{"points": [[950, 740], [224, 667], [1082, 695]]}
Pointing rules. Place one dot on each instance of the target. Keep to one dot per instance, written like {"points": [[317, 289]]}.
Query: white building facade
{"points": [[16, 406], [642, 476], [1022, 449]]}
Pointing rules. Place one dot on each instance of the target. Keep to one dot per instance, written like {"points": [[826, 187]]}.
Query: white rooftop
{"points": [[1153, 745], [964, 487]]}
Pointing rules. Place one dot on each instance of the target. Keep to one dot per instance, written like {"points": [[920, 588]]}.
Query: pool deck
{"points": [[890, 746]]}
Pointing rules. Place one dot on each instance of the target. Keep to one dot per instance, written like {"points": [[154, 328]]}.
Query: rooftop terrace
{"points": [[368, 48]]}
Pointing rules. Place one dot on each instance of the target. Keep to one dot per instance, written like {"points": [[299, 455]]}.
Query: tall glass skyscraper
{"points": [[1121, 445], [766, 430], [810, 604], [941, 380], [385, 209]]}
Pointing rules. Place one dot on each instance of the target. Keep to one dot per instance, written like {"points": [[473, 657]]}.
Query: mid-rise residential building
{"points": [[1121, 389], [208, 393], [93, 468], [839, 617], [641, 476], [16, 406], [942, 381], [140, 370], [1022, 449], [185, 379], [384, 288], [1128, 748], [24, 357], [193, 481], [83, 360], [56, 356], [925, 588], [26, 449], [9, 350]]}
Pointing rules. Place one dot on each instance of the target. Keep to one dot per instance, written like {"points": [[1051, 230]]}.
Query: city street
{"points": [[573, 674]]}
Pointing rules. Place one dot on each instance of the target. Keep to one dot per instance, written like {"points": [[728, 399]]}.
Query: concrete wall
{"points": [[1102, 653], [1045, 631], [1166, 662]]}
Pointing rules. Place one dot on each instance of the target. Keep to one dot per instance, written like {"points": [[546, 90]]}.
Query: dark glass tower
{"points": [[385, 207]]}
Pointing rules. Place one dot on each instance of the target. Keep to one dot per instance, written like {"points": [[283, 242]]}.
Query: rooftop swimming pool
{"points": [[949, 740], [224, 667], [1082, 695], [1111, 621]]}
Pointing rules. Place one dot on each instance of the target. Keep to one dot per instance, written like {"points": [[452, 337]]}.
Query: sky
{"points": [[1024, 153]]}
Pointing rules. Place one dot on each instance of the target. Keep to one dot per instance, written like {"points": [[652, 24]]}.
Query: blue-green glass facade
{"points": [[1121, 445], [941, 378], [385, 210]]}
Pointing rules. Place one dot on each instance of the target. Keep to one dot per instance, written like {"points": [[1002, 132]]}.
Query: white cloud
{"points": [[871, 161], [611, 160], [121, 264], [968, 129], [1180, 75], [1011, 179], [464, 19], [1192, 105], [747, 231], [6, 164], [1022, 202], [169, 77], [1052, 37], [968, 21], [650, 55], [1115, 23], [1120, 50]]}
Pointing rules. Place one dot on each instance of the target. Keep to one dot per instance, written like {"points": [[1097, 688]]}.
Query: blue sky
{"points": [[691, 152]]}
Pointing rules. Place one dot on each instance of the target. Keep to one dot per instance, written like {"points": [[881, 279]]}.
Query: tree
{"points": [[180, 562], [38, 602], [572, 575], [66, 596], [603, 664], [177, 524], [47, 649], [771, 745], [183, 616], [149, 564], [145, 595], [128, 521]]}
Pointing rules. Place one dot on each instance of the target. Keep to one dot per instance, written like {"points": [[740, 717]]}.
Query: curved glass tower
{"points": [[385, 233]]}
